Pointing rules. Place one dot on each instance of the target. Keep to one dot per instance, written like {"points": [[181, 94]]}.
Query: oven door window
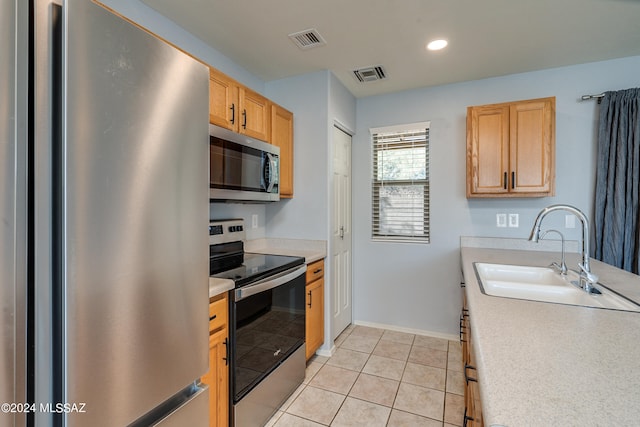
{"points": [[269, 327]]}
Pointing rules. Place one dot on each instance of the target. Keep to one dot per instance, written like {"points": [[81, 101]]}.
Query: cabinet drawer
{"points": [[218, 312], [315, 270]]}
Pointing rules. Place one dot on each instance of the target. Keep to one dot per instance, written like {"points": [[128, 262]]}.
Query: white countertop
{"points": [[218, 286], [543, 364], [310, 250]]}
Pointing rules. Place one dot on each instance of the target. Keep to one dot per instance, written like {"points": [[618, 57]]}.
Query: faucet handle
{"points": [[591, 278], [562, 267]]}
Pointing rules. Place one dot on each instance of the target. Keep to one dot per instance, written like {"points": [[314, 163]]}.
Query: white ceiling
{"points": [[487, 38]]}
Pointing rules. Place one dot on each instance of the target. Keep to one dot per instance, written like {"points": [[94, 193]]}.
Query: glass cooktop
{"points": [[259, 266]]}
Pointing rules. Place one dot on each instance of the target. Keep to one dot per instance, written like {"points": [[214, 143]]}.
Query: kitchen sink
{"points": [[544, 284]]}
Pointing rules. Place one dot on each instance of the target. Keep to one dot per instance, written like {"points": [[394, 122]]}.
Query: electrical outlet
{"points": [[570, 221], [501, 220], [514, 220], [254, 221]]}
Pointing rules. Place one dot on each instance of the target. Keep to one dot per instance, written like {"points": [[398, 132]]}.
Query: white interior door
{"points": [[341, 304]]}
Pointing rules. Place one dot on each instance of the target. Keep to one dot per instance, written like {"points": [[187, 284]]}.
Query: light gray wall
{"points": [[304, 216], [342, 106], [417, 286]]}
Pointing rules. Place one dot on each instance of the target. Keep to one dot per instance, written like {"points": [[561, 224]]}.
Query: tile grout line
{"points": [[360, 372]]}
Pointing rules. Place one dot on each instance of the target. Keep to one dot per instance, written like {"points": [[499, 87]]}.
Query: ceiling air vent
{"points": [[370, 74], [307, 39]]}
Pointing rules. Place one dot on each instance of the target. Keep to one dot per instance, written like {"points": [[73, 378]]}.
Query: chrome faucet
{"points": [[562, 267], [587, 278]]}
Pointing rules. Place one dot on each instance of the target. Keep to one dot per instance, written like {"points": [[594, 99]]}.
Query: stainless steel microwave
{"points": [[241, 168]]}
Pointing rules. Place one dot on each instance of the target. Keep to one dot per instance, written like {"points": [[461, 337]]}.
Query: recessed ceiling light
{"points": [[437, 44]]}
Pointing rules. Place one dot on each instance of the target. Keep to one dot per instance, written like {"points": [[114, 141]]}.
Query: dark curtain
{"points": [[616, 223]]}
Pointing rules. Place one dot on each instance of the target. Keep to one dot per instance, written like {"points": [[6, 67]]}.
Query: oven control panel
{"points": [[226, 230]]}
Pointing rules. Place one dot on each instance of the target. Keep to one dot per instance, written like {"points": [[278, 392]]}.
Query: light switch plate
{"points": [[569, 221], [254, 221], [514, 220], [501, 220]]}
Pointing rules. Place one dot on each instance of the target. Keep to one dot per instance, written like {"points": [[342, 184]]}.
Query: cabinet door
{"points": [[314, 317], [224, 110], [218, 379], [487, 150], [531, 146], [255, 114], [282, 136], [511, 149]]}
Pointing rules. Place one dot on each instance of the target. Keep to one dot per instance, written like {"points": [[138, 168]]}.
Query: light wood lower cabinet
{"points": [[472, 404], [314, 330], [217, 378]]}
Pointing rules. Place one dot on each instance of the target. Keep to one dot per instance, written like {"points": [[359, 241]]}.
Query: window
{"points": [[400, 183]]}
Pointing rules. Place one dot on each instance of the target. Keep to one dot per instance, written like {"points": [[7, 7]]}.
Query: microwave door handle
{"points": [[272, 172], [270, 283]]}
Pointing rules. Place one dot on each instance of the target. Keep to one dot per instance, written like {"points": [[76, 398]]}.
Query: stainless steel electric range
{"points": [[267, 323]]}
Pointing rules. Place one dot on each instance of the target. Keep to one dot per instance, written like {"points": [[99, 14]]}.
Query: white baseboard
{"points": [[326, 352], [449, 337]]}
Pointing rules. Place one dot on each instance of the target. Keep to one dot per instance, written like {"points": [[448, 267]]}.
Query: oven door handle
{"points": [[270, 283]]}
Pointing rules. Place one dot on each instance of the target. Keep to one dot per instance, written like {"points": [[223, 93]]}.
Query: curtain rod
{"points": [[598, 97]]}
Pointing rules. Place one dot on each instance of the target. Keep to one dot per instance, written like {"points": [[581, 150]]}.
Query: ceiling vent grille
{"points": [[370, 74], [307, 39]]}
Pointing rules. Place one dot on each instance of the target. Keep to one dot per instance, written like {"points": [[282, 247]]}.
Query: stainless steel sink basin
{"points": [[546, 285]]}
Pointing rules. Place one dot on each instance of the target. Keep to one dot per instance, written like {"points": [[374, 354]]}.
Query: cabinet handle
{"points": [[226, 351], [310, 294], [213, 317], [233, 113], [504, 181], [467, 378], [244, 119], [317, 271], [466, 418], [513, 179]]}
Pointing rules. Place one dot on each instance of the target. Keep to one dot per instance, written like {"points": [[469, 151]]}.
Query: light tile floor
{"points": [[380, 378]]}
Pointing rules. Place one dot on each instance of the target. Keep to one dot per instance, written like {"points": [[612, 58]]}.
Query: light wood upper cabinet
{"points": [[282, 136], [238, 108], [255, 114], [511, 149], [223, 100]]}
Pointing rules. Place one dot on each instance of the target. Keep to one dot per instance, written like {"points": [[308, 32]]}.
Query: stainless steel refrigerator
{"points": [[103, 221]]}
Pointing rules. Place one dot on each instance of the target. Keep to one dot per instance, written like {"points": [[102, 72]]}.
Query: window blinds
{"points": [[400, 184]]}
